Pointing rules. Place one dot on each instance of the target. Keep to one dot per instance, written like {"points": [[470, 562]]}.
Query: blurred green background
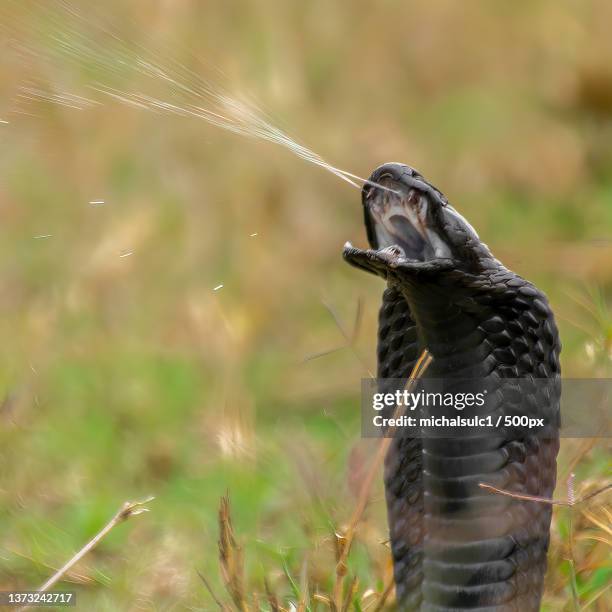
{"points": [[124, 373]]}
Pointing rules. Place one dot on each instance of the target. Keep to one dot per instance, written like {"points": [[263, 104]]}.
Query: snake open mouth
{"points": [[411, 227], [399, 215]]}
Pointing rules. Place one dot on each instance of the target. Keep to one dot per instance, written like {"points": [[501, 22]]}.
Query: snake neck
{"points": [[448, 324], [477, 324]]}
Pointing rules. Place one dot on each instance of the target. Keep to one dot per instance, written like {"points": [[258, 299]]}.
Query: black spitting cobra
{"points": [[455, 545]]}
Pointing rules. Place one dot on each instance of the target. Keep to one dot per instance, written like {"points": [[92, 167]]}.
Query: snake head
{"points": [[411, 227]]}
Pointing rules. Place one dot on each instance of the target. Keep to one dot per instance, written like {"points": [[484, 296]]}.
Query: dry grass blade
{"points": [[127, 511], [524, 496], [544, 500], [320, 354], [324, 599], [350, 594], [385, 595], [338, 540], [349, 338], [604, 523], [358, 320], [230, 557], [419, 368], [221, 605], [597, 595], [303, 588], [595, 493], [272, 598], [70, 576], [585, 448]]}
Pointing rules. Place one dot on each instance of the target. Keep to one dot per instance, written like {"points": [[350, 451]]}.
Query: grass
{"points": [[126, 377]]}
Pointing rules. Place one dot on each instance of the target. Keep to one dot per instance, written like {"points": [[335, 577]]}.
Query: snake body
{"points": [[456, 546]]}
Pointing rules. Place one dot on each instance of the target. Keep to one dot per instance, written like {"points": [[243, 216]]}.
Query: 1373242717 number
{"points": [[37, 598]]}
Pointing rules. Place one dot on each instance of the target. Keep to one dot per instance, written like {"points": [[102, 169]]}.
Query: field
{"points": [[177, 320]]}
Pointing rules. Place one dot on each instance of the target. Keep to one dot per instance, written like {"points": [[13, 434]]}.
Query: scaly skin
{"points": [[456, 546]]}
